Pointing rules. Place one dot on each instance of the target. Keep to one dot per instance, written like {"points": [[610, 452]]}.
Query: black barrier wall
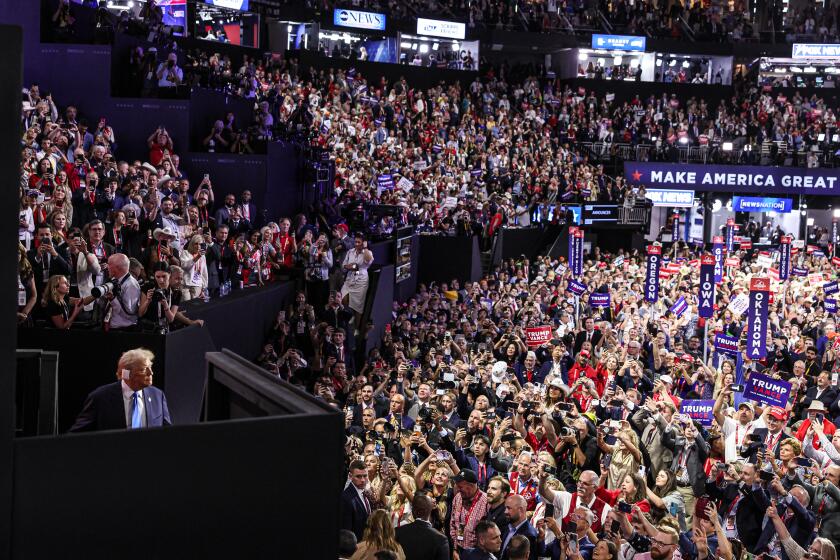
{"points": [[216, 490], [442, 258]]}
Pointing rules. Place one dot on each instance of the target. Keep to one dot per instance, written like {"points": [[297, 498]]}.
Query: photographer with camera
{"points": [[122, 293], [45, 259], [86, 269], [158, 302], [169, 74]]}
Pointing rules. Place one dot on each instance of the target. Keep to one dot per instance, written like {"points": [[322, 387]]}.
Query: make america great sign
{"points": [[734, 178]]}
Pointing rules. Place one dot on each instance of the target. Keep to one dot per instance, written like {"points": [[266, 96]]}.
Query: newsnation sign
{"points": [[733, 178]]}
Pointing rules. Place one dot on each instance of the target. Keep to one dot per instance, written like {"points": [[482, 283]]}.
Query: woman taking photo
{"points": [[378, 536], [665, 495], [625, 453], [632, 491], [60, 309], [317, 274], [60, 201], [194, 263]]}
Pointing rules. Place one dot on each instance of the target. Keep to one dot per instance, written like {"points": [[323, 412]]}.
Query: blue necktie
{"points": [[135, 411]]}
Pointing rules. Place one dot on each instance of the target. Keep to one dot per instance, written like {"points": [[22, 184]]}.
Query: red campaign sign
{"points": [[654, 250], [812, 248], [759, 285], [732, 261], [707, 259], [746, 245], [772, 299], [794, 250], [717, 239], [538, 335], [835, 261], [694, 263], [663, 273]]}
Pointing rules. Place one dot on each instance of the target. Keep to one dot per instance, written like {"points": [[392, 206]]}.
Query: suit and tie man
{"points": [[419, 539], [517, 507], [355, 504], [488, 540], [130, 403]]}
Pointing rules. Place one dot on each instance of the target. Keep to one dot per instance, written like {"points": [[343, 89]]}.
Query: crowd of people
{"points": [[459, 429]]}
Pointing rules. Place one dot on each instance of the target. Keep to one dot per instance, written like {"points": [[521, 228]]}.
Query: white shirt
{"points": [[734, 434], [124, 306], [127, 398]]}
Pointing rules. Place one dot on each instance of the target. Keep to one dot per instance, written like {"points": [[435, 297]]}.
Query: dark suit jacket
{"points": [[580, 338], [528, 531], [104, 409], [219, 260], [475, 554], [420, 541], [378, 409], [58, 265], [828, 396], [353, 513], [801, 526]]}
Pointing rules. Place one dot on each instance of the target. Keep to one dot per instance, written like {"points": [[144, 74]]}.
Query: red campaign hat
{"points": [[778, 413], [584, 353]]}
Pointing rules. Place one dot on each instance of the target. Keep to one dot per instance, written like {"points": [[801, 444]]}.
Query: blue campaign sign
{"points": [[598, 299], [726, 344], [618, 42], [576, 287], [765, 389], [700, 411], [762, 204]]}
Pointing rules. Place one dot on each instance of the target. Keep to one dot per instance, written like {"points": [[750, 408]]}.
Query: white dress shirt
{"points": [[127, 398]]}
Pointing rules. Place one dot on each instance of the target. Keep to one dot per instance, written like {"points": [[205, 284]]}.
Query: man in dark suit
{"points": [[237, 223], [488, 541], [516, 507], [222, 215], [249, 209], [822, 392], [219, 257], [587, 334], [355, 505], [45, 259], [791, 511], [337, 348], [743, 505], [367, 401], [130, 403], [419, 540]]}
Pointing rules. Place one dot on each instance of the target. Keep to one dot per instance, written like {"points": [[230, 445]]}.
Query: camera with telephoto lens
{"points": [[424, 414], [565, 431], [106, 288]]}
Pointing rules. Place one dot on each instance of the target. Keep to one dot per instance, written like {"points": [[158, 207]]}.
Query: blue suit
{"points": [[104, 409], [527, 530], [800, 525]]}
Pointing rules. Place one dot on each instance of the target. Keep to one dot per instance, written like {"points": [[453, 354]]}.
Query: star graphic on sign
{"points": [[637, 176]]}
